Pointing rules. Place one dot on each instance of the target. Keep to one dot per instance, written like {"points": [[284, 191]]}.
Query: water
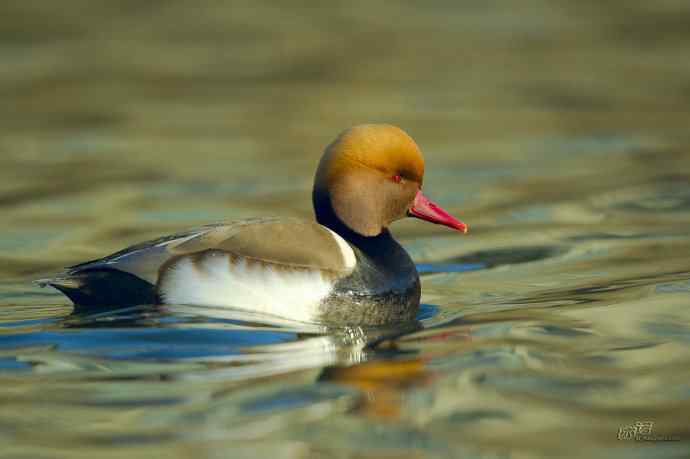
{"points": [[557, 130]]}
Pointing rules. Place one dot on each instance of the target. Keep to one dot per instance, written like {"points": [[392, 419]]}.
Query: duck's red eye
{"points": [[396, 178]]}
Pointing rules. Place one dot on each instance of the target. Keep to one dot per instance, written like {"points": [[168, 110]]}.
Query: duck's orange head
{"points": [[370, 176]]}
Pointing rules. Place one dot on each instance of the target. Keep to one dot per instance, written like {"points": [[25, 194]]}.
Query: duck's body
{"points": [[346, 268], [279, 266]]}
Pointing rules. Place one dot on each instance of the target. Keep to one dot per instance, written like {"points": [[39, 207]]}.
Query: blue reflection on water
{"points": [[11, 363], [430, 268], [147, 343]]}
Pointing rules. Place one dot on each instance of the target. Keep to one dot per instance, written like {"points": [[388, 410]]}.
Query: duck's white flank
{"points": [[345, 250], [216, 280]]}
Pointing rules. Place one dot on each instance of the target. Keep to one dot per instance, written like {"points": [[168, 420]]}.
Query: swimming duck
{"points": [[343, 268]]}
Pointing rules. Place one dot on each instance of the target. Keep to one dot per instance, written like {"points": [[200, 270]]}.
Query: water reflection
{"points": [[382, 385], [221, 343]]}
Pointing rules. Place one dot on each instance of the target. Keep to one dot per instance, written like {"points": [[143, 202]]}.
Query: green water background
{"points": [[558, 130]]}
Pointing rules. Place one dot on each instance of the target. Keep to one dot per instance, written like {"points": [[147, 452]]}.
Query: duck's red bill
{"points": [[428, 210]]}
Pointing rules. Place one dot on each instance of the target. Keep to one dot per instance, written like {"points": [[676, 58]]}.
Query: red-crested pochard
{"points": [[345, 268]]}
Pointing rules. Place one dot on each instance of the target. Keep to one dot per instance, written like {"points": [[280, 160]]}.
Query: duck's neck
{"points": [[382, 248]]}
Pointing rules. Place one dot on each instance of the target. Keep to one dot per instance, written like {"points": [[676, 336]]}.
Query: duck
{"points": [[342, 268]]}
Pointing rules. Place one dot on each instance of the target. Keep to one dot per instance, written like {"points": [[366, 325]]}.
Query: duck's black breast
{"points": [[383, 288]]}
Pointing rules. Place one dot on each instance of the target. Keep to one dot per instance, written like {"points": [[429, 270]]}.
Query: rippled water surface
{"points": [[560, 131]]}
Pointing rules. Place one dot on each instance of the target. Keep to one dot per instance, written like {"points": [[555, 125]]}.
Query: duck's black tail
{"points": [[102, 287]]}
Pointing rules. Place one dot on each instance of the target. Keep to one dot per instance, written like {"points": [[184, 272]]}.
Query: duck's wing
{"points": [[131, 276]]}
